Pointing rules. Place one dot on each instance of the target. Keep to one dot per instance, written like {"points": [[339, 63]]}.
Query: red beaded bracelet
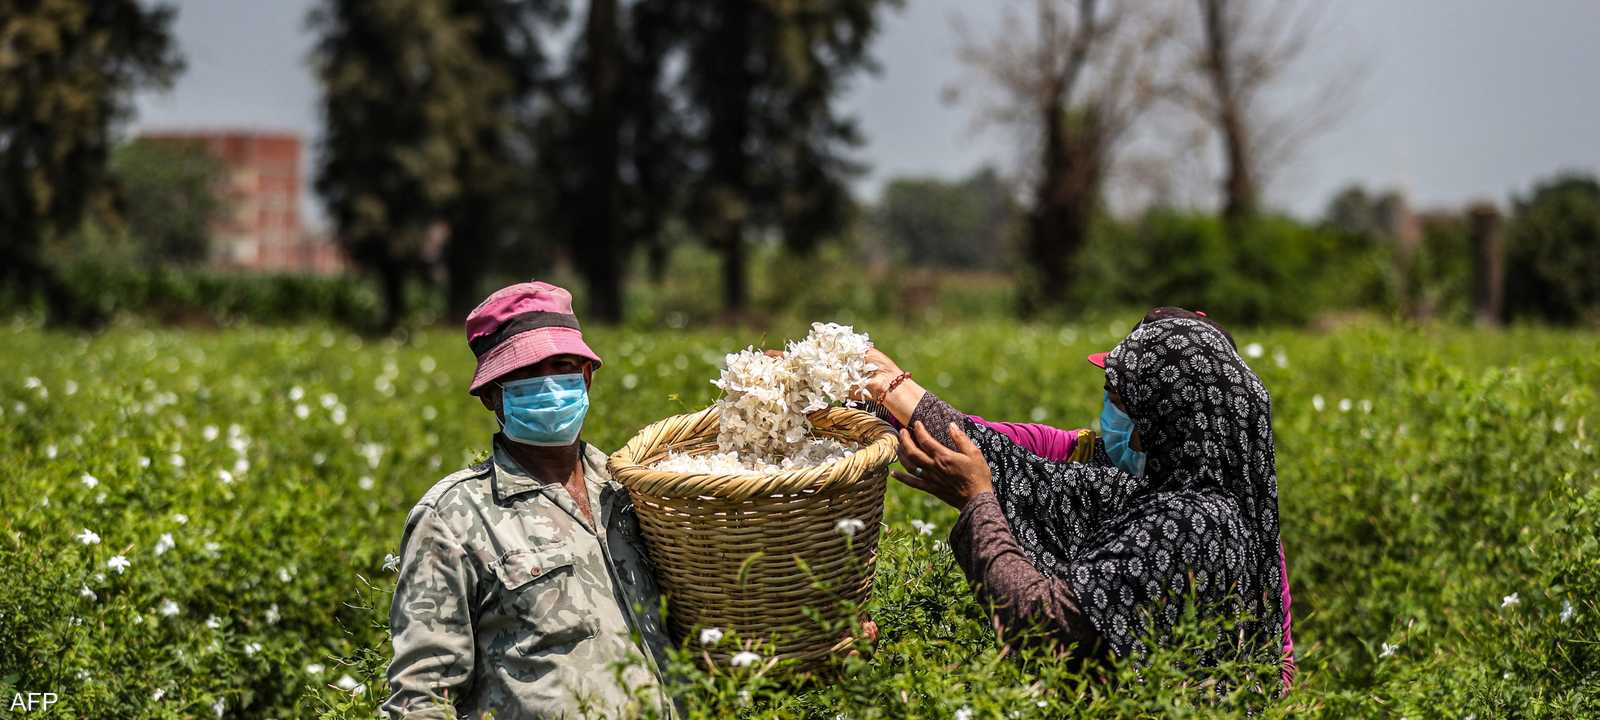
{"points": [[902, 377]]}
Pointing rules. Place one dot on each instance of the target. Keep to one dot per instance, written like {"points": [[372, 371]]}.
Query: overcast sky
{"points": [[1461, 99]]}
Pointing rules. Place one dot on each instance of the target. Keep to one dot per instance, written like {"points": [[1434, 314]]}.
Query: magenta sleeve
{"points": [[1050, 443]]}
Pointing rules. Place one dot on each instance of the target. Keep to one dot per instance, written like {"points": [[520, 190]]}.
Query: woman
{"points": [[1184, 484]]}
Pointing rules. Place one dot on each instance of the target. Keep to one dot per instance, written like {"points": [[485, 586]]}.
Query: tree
{"points": [[1246, 51], [1072, 82], [762, 79], [67, 72], [413, 114], [1553, 252], [953, 225], [167, 197]]}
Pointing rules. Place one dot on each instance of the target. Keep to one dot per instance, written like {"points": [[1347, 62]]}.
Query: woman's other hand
{"points": [[954, 476], [884, 372]]}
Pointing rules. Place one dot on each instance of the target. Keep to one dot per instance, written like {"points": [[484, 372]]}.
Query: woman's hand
{"points": [[954, 476], [883, 373]]}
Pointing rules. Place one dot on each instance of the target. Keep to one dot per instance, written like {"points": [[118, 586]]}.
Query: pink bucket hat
{"points": [[520, 325]]}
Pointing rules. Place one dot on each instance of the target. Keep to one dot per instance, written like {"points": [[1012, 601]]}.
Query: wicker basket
{"points": [[749, 553]]}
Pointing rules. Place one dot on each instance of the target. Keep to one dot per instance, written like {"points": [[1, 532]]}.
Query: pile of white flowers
{"points": [[765, 400]]}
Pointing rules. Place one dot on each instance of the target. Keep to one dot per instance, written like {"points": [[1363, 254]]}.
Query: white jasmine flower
{"points": [[1567, 611], [1366, 406], [744, 658], [1388, 650], [209, 432], [181, 519], [89, 537], [89, 481], [272, 615], [1510, 600], [1317, 402], [219, 707], [295, 393], [118, 563], [347, 683], [391, 563], [365, 483], [213, 622], [158, 694], [71, 387], [964, 713], [849, 526], [100, 499], [710, 636], [923, 527], [50, 451], [329, 400], [144, 461], [1253, 350], [212, 548], [168, 608], [165, 543], [225, 476], [284, 575], [314, 669], [250, 649], [88, 594], [1344, 405], [177, 460], [301, 411]]}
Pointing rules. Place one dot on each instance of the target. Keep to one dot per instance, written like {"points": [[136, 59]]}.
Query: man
{"points": [[523, 587]]}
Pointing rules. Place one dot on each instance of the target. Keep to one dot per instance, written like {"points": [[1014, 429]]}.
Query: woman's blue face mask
{"points": [[1117, 428], [547, 411]]}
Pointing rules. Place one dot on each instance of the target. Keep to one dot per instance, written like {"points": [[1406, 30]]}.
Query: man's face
{"points": [[553, 365]]}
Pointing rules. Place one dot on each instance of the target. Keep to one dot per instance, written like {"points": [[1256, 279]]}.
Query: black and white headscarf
{"points": [[1207, 503]]}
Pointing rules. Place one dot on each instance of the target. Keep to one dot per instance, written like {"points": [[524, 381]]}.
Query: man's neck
{"points": [[548, 464]]}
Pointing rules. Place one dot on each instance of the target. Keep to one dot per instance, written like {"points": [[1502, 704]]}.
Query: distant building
{"points": [[261, 230]]}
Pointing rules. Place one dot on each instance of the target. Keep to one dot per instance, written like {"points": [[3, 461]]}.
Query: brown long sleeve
{"points": [[1021, 596]]}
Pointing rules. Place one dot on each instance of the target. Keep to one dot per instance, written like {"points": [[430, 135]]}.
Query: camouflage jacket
{"points": [[510, 603]]}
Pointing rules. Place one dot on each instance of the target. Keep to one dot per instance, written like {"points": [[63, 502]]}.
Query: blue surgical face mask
{"points": [[1117, 428], [546, 411]]}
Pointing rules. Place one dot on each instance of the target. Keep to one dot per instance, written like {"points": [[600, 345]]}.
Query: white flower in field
{"points": [[430, 413], [144, 461], [365, 483], [250, 649], [89, 537], [318, 458], [964, 713], [118, 563], [219, 707], [1510, 600], [168, 608], [373, 452], [1567, 611], [284, 575], [710, 636], [88, 594], [1253, 350], [100, 499], [225, 476], [391, 563], [165, 543], [89, 481], [1280, 358], [99, 577], [1344, 405], [744, 658], [213, 622], [177, 460], [212, 548], [849, 526], [1366, 406], [1317, 402], [1041, 703], [241, 466], [158, 694], [338, 415], [301, 411], [209, 432], [50, 452], [314, 669], [272, 615], [329, 400], [923, 527], [71, 386], [1388, 650], [347, 683], [181, 519], [44, 501], [296, 392]]}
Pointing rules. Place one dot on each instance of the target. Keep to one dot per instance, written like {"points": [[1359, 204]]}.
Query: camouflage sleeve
{"points": [[430, 621]]}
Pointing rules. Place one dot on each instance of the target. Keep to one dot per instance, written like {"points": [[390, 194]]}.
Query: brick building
{"points": [[261, 228]]}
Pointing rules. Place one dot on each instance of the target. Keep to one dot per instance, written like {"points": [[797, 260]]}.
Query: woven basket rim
{"points": [[880, 445]]}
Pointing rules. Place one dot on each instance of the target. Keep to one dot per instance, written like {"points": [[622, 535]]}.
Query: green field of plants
{"points": [[196, 524]]}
